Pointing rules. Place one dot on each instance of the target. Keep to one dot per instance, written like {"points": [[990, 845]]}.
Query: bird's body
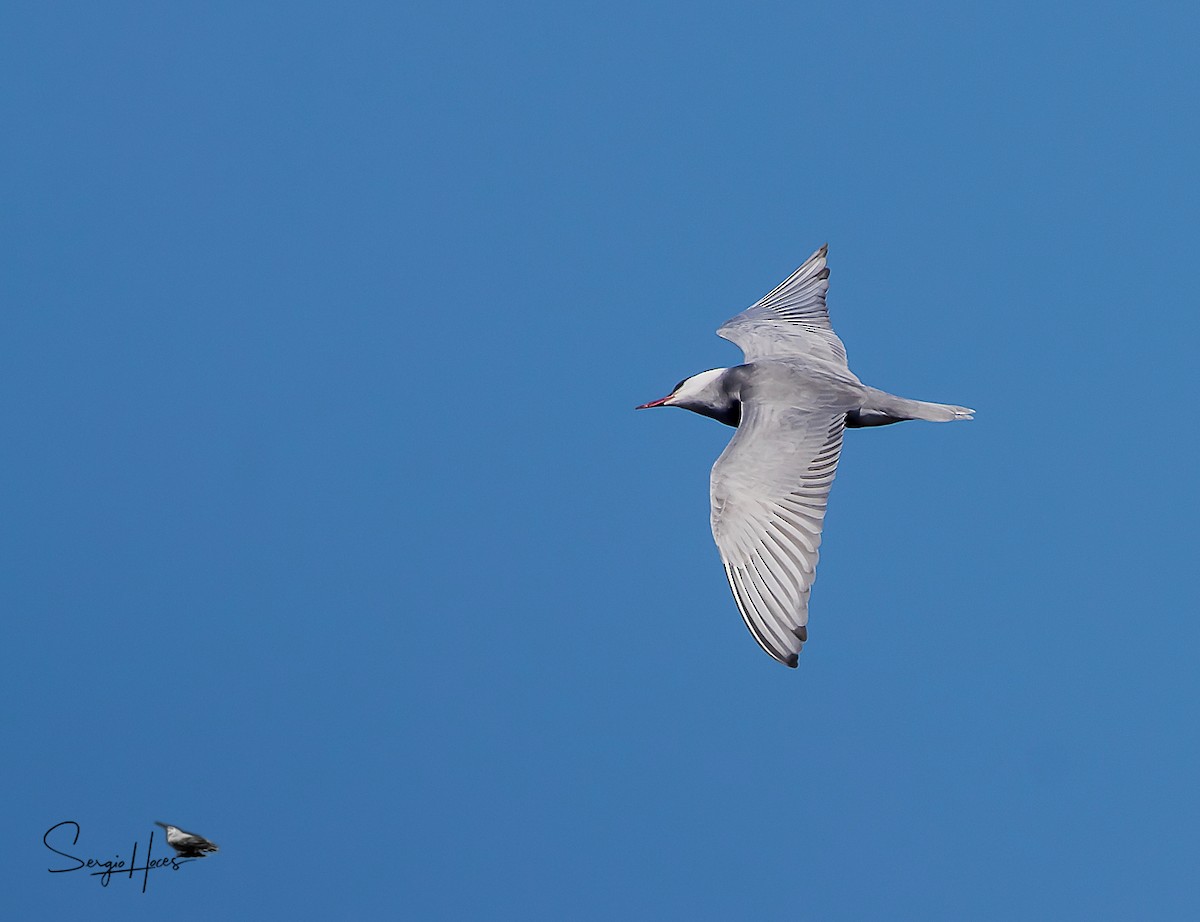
{"points": [[790, 401], [187, 844]]}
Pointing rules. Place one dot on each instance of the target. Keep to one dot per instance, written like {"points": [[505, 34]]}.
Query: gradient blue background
{"points": [[330, 533]]}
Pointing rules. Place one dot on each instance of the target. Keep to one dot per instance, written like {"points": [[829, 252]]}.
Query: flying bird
{"points": [[187, 844], [790, 400]]}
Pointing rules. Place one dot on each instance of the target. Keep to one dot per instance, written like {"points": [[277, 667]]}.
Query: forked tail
{"points": [[881, 408]]}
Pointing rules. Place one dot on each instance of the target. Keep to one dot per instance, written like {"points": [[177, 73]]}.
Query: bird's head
{"points": [[691, 393]]}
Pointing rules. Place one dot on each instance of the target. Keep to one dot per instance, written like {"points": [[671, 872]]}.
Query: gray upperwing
{"points": [[791, 320], [769, 493]]}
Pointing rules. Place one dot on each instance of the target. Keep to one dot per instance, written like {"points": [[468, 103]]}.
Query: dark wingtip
{"points": [[824, 251], [792, 661]]}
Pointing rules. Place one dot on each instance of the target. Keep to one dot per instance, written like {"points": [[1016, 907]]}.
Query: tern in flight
{"points": [[187, 844], [790, 402]]}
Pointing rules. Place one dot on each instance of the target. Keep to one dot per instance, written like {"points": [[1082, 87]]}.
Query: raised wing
{"points": [[791, 320], [769, 491]]}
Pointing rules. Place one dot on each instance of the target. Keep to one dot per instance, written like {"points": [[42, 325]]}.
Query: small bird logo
{"points": [[187, 844]]}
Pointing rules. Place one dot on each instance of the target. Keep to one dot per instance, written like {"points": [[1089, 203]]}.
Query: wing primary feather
{"points": [[784, 564], [777, 607], [766, 617], [774, 615], [779, 538], [748, 613]]}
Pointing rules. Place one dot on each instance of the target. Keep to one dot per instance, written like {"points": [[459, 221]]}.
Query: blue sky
{"points": [[330, 532]]}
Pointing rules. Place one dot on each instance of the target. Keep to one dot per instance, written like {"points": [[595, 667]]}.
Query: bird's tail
{"points": [[881, 408]]}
